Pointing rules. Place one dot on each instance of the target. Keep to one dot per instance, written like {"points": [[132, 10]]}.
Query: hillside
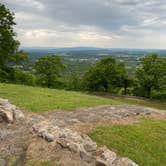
{"points": [[37, 99], [42, 99], [60, 137]]}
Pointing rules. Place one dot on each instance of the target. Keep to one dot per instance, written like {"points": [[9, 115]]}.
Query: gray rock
{"points": [[7, 115], [108, 156], [74, 147], [49, 137], [86, 157], [82, 145], [9, 111], [18, 115], [90, 147], [100, 163], [63, 142]]}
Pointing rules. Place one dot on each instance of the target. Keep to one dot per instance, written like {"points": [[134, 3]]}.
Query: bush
{"points": [[22, 77], [160, 95], [3, 76], [17, 76]]}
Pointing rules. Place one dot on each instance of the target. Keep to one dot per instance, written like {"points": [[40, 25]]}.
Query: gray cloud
{"points": [[106, 23]]}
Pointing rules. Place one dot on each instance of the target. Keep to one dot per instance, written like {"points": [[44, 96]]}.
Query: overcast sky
{"points": [[99, 23]]}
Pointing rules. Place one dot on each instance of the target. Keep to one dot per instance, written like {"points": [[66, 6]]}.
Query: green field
{"points": [[37, 99], [42, 99], [144, 142]]}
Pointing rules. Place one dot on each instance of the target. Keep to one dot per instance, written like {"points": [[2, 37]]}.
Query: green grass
{"points": [[135, 101], [142, 102], [37, 99], [144, 142]]}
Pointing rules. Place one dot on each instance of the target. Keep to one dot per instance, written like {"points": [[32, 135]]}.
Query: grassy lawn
{"points": [[144, 142], [42, 99]]}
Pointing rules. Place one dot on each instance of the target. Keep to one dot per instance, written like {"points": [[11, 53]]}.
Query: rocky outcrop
{"points": [[81, 145], [9, 112], [52, 136]]}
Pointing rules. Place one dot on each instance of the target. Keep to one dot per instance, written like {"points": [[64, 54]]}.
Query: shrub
{"points": [[160, 95], [17, 76]]}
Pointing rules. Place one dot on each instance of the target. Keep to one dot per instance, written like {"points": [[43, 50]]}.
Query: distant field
{"points": [[144, 142], [42, 99]]}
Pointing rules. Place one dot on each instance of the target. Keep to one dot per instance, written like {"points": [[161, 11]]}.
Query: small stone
{"points": [[18, 115], [74, 147], [84, 156], [7, 115], [147, 113], [127, 162], [90, 148], [98, 152], [49, 137], [63, 142], [109, 156], [100, 163]]}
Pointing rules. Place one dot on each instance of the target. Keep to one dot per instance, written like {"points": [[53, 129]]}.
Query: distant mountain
{"points": [[63, 49], [36, 52]]}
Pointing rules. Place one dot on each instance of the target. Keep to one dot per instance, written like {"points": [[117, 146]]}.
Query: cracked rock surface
{"points": [[51, 136]]}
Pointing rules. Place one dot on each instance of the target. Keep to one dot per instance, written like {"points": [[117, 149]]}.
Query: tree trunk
{"points": [[149, 91], [125, 89], [48, 82], [106, 87]]}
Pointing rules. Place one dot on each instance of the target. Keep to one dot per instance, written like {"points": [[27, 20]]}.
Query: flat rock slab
{"points": [[99, 114]]}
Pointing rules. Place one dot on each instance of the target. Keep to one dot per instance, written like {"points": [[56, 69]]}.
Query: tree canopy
{"points": [[49, 68], [104, 74], [8, 44], [151, 75]]}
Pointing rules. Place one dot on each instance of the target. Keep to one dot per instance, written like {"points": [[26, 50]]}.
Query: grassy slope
{"points": [[142, 102], [42, 99], [136, 101], [144, 142]]}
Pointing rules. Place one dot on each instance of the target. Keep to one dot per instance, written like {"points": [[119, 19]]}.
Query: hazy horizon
{"points": [[133, 24]]}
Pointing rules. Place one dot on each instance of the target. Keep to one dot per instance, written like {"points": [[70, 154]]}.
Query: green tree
{"points": [[73, 81], [8, 44], [151, 75], [49, 69], [127, 82], [104, 74]]}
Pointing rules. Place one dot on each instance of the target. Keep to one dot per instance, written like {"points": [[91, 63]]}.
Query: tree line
{"points": [[107, 75]]}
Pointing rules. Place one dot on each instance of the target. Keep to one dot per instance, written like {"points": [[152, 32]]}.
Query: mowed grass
{"points": [[135, 101], [37, 99], [144, 142]]}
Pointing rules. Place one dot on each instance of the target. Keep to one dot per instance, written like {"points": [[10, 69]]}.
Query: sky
{"points": [[97, 23]]}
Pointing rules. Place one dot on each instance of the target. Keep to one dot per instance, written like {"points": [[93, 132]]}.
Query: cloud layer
{"points": [[101, 23]]}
